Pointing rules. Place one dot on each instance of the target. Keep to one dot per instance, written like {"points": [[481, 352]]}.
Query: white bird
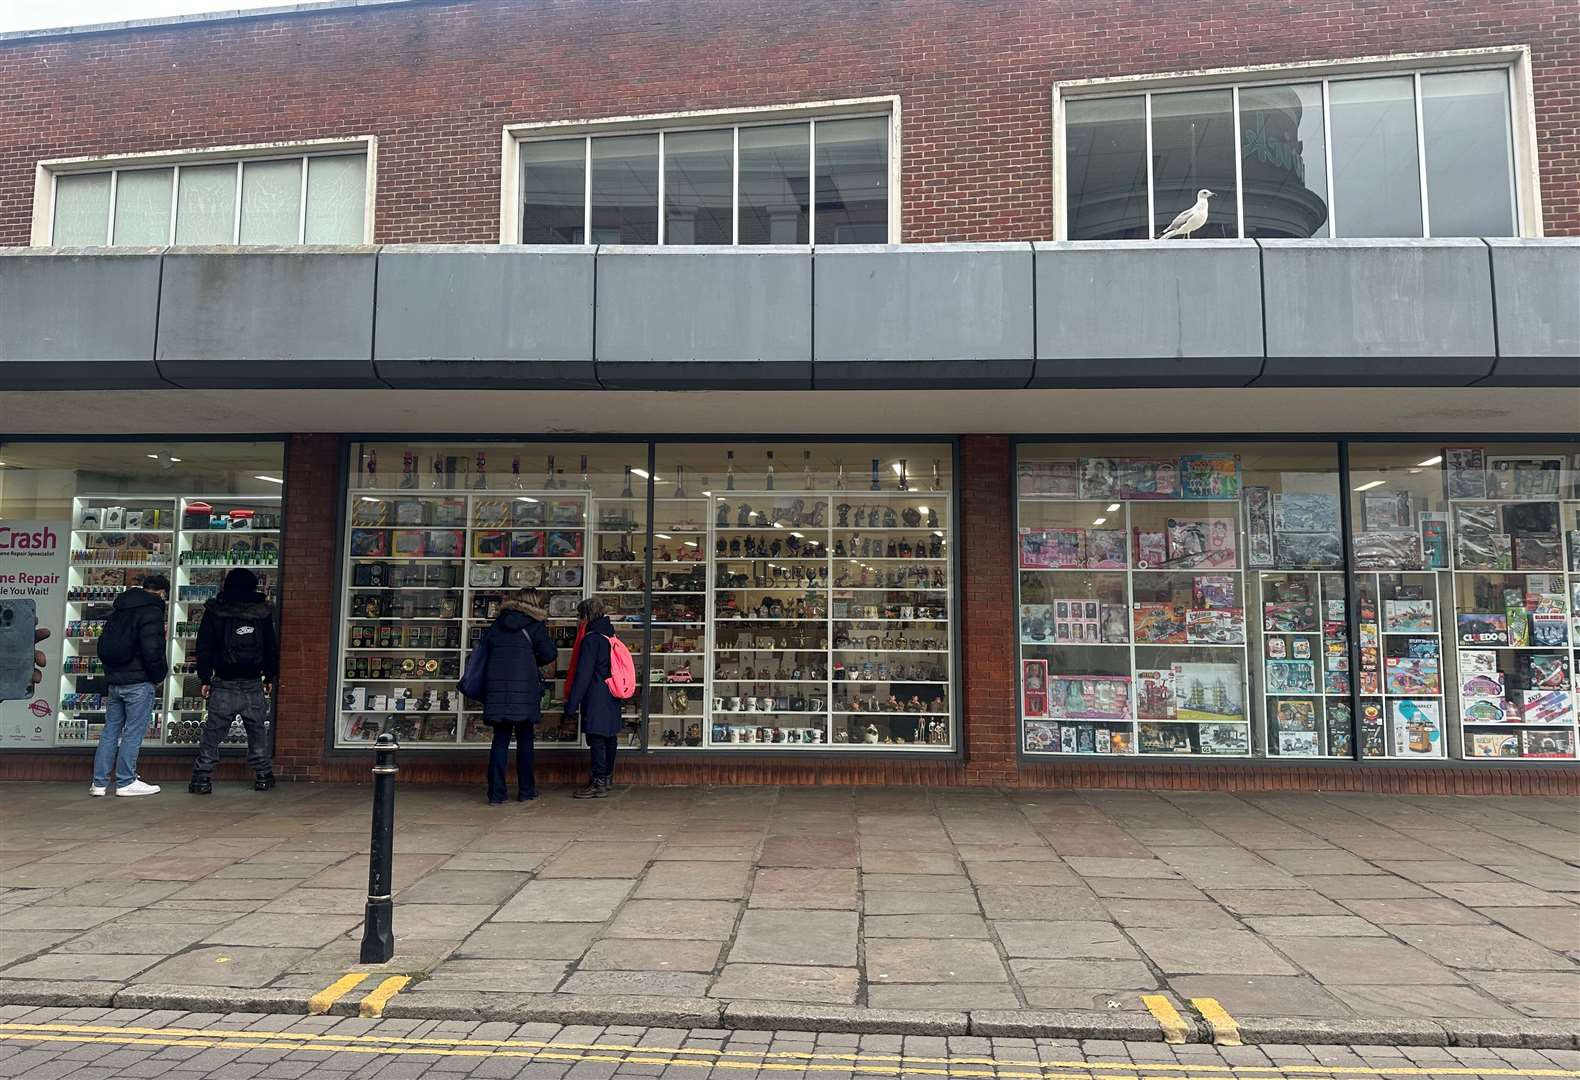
{"points": [[1189, 220]]}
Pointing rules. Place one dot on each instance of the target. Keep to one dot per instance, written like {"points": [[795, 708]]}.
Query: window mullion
{"points": [[660, 190], [735, 185], [235, 232], [301, 208], [587, 233], [1151, 213], [1327, 154], [1239, 163], [1514, 171], [811, 182], [109, 223], [1420, 157], [175, 186]]}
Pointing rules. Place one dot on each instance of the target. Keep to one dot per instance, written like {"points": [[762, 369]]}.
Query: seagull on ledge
{"points": [[1189, 220]]}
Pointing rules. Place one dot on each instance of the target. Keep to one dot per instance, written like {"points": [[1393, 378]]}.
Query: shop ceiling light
{"points": [[152, 457], [691, 543], [369, 498], [270, 479], [663, 536], [1099, 521], [525, 498], [1370, 485], [1438, 460], [176, 460], [796, 535], [640, 472], [1112, 508]]}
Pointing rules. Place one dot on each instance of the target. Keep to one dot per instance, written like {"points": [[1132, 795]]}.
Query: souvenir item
{"points": [[876, 486], [1159, 624], [1215, 627], [1151, 549], [1034, 688], [1395, 550], [1099, 478], [1155, 694], [1464, 474], [1258, 526], [1309, 551], [563, 605], [1208, 692], [1305, 512], [1387, 511], [481, 481], [1291, 677], [487, 576], [1105, 549], [1274, 648], [408, 543], [1418, 727], [1210, 476], [1089, 697], [1148, 478], [1409, 675], [1434, 539], [369, 542], [1051, 479], [490, 544], [768, 480], [564, 545], [1547, 744], [1524, 477]]}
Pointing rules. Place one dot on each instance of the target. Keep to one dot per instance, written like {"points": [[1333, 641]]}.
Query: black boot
{"points": [[200, 785], [264, 781], [595, 789]]}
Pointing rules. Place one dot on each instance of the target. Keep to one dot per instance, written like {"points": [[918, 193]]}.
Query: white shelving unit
{"points": [[1306, 624], [1403, 711]]}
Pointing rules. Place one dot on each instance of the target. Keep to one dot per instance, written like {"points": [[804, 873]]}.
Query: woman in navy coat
{"points": [[589, 695], [518, 644]]}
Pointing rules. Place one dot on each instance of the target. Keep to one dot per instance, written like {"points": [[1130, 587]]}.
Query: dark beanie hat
{"points": [[241, 582]]}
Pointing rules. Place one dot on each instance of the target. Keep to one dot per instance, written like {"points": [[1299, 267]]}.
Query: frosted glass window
{"points": [[1376, 173], [142, 207], [206, 204], [336, 199], [1469, 153], [82, 210], [271, 198]]}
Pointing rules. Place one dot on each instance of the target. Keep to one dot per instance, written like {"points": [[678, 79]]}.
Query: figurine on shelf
{"points": [[515, 472], [373, 468], [743, 515], [769, 479], [408, 470], [806, 470], [723, 518], [680, 481], [625, 492], [905, 480], [586, 476], [551, 478], [729, 471], [870, 734], [932, 518], [481, 483], [876, 485], [437, 480]]}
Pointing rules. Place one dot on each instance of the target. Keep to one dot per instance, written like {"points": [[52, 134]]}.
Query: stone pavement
{"points": [[1306, 916], [90, 1044]]}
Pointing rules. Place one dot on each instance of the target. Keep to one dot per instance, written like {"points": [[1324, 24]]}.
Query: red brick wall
{"points": [[437, 81], [988, 645], [314, 480]]}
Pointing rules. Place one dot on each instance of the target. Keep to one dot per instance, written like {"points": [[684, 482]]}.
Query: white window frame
{"points": [[48, 172], [514, 135], [1515, 59]]}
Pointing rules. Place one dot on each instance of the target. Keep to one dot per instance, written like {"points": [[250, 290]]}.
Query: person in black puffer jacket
{"points": [[132, 649], [518, 645], [587, 693], [238, 657]]}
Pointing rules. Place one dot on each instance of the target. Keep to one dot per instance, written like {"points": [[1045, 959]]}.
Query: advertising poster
{"points": [[33, 557]]}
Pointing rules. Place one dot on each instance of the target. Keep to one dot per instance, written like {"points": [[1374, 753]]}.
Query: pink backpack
{"points": [[622, 671]]}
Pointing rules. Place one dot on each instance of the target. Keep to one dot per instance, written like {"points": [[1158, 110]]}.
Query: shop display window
{"points": [[825, 619], [1475, 555], [98, 518], [1183, 599], [788, 596]]}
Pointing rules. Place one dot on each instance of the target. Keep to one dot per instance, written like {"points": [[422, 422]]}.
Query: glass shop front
{"points": [[776, 596]]}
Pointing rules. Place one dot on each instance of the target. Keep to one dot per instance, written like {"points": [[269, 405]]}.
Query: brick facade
{"points": [[436, 82]]}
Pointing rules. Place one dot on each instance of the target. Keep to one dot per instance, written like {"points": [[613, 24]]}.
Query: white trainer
{"points": [[96, 790], [137, 787]]}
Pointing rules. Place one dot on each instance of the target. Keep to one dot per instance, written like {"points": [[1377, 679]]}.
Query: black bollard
{"points": [[378, 930]]}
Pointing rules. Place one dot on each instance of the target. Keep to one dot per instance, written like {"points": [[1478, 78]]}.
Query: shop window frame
{"points": [[281, 571], [1513, 59], [954, 753], [1343, 443], [47, 174], [515, 135]]}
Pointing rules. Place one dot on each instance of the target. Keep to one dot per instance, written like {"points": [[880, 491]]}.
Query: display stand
{"points": [[1305, 676], [1401, 675]]}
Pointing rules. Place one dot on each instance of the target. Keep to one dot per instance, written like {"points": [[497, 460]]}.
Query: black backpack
{"points": [[118, 644], [240, 647]]}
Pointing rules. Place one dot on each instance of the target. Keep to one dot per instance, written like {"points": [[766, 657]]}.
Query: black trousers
{"points": [[498, 755], [603, 750], [230, 700]]}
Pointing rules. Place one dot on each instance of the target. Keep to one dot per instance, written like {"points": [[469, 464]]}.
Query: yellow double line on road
{"points": [[370, 1006], [759, 1061]]}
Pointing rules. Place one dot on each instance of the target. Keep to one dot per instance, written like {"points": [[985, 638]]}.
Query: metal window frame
{"points": [[1524, 171]]}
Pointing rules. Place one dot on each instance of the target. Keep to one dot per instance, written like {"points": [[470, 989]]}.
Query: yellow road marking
{"points": [[1175, 1030], [1225, 1032], [373, 1004], [320, 1002], [330, 1042]]}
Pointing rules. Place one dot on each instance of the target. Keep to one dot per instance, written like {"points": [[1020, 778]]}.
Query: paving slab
{"points": [[925, 925], [807, 851], [955, 996], [1532, 993], [529, 941], [1184, 914], [1076, 940], [1429, 1002], [926, 960], [1263, 995], [695, 881], [1432, 911], [224, 965], [566, 900], [1034, 902], [1367, 961], [1313, 926], [1229, 952], [921, 903], [1486, 948], [130, 934], [1479, 894], [804, 888], [648, 954], [701, 920], [599, 859], [1105, 975], [101, 967], [819, 938], [465, 887], [783, 982]]}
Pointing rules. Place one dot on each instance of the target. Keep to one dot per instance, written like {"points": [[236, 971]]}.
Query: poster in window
{"points": [[1258, 526], [1210, 476], [1464, 473], [1524, 477], [1100, 478], [1434, 539], [1034, 688], [1385, 511], [1048, 479], [1305, 511], [1417, 728], [1149, 478]]}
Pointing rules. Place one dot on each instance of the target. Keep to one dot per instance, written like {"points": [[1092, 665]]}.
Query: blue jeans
{"points": [[125, 724]]}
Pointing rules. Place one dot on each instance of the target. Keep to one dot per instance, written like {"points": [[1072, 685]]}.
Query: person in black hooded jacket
{"points": [[587, 693], [238, 655], [518, 645], [132, 650]]}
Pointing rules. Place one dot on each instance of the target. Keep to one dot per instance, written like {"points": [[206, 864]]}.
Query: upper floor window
{"points": [[1358, 149], [321, 196], [770, 177]]}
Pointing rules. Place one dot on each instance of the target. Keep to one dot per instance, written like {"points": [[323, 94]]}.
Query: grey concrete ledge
{"points": [[211, 999], [557, 1009], [849, 1020], [1514, 1034], [1207, 313], [1393, 1031], [63, 995]]}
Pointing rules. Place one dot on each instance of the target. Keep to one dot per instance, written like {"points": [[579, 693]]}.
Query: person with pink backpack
{"points": [[602, 677]]}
